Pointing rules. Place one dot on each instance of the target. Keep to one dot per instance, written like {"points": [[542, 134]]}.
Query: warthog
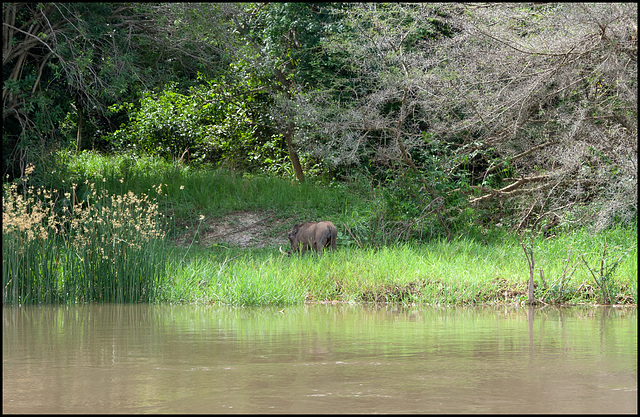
{"points": [[314, 235]]}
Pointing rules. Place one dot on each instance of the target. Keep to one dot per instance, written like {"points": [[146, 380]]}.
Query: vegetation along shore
{"points": [[467, 154], [173, 234]]}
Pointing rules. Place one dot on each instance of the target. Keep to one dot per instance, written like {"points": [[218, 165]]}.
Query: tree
{"points": [[548, 98], [62, 59], [386, 48], [283, 51], [375, 112], [524, 107], [57, 59]]}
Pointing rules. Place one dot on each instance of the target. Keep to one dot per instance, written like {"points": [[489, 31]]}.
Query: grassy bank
{"points": [[93, 228], [439, 272], [187, 193]]}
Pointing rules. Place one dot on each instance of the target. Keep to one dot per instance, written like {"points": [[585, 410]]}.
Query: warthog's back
{"points": [[313, 235]]}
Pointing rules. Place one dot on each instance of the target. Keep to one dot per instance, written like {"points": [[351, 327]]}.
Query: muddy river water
{"points": [[318, 359]]}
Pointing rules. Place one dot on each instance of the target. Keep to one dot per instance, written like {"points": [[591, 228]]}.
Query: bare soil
{"points": [[247, 229]]}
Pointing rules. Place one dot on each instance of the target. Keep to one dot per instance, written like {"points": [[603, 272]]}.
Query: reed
{"points": [[102, 247]]}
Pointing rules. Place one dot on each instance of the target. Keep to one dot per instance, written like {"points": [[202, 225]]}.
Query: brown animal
{"points": [[312, 235]]}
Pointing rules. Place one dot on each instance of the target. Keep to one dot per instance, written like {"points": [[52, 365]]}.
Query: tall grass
{"points": [[102, 247], [235, 280]]}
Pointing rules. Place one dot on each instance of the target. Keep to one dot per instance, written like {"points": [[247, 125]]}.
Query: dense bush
{"points": [[209, 123]]}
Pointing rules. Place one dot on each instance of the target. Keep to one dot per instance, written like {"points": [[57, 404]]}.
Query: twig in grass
{"points": [[605, 278], [528, 253], [194, 238], [352, 235]]}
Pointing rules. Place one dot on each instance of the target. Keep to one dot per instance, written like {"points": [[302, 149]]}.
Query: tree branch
{"points": [[509, 189]]}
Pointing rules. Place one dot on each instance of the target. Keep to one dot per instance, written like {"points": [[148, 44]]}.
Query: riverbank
{"points": [[246, 268], [116, 229]]}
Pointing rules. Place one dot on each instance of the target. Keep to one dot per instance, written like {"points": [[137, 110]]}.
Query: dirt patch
{"points": [[247, 229]]}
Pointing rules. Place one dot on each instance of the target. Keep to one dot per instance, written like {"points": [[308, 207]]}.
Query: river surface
{"points": [[105, 358]]}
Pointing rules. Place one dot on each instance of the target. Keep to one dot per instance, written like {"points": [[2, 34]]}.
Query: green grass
{"points": [[207, 190], [237, 280], [440, 272], [95, 251]]}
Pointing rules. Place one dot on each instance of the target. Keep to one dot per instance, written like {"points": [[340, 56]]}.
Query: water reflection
{"points": [[318, 359]]}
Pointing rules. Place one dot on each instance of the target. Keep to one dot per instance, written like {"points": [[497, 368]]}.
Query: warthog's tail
{"points": [[332, 239]]}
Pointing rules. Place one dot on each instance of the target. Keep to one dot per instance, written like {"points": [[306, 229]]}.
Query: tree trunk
{"points": [[80, 126], [285, 87], [295, 161]]}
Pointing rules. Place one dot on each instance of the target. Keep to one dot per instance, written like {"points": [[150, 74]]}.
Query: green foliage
{"points": [[100, 248], [74, 64], [289, 37], [72, 60], [166, 124], [424, 205], [211, 123]]}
